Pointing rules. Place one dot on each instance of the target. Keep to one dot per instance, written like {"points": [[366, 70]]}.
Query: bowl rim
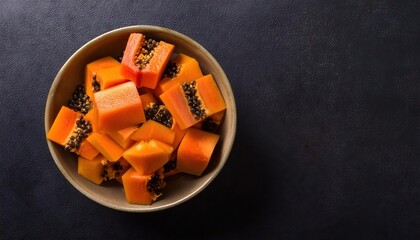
{"points": [[110, 34]]}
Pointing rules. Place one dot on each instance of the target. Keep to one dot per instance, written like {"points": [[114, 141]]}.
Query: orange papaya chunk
{"points": [[148, 156], [191, 102], [142, 189], [210, 94], [63, 126], [106, 146], [145, 59], [118, 107], [182, 69], [148, 100], [108, 77], [92, 68], [87, 150], [122, 137], [195, 151], [90, 169], [154, 130]]}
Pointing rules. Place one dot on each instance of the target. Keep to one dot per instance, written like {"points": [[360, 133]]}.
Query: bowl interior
{"points": [[180, 187]]}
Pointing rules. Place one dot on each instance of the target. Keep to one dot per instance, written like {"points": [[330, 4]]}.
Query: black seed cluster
{"points": [[145, 53], [194, 103], [96, 86], [111, 170], [172, 70], [80, 102], [155, 184], [209, 125], [160, 114], [83, 128], [170, 165]]}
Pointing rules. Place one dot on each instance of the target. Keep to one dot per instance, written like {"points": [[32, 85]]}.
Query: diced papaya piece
{"points": [[145, 59], [154, 130], [87, 150], [191, 102], [148, 100], [63, 126], [122, 137], [91, 70], [182, 69], [90, 169], [106, 146], [195, 151], [209, 92], [108, 77], [142, 189], [148, 156], [118, 107]]}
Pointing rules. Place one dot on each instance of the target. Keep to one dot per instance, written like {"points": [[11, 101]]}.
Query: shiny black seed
{"points": [[71, 144]]}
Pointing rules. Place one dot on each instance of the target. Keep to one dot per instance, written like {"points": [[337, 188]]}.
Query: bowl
{"points": [[180, 187]]}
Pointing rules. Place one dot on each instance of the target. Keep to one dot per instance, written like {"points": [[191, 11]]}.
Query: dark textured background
{"points": [[328, 98]]}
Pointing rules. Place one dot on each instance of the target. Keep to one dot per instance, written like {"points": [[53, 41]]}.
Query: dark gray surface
{"points": [[328, 105]]}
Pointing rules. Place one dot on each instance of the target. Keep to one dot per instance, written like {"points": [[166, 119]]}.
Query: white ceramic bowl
{"points": [[180, 187]]}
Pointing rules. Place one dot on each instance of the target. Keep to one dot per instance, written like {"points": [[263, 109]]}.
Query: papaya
{"points": [[182, 69], [122, 137], [142, 189], [195, 151], [90, 169], [144, 60], [87, 150], [63, 126], [108, 77], [154, 130], [91, 83], [101, 169], [118, 107], [148, 156], [191, 102], [69, 130], [148, 100], [106, 146]]}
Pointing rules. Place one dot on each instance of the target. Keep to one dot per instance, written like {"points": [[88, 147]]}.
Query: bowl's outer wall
{"points": [[182, 187]]}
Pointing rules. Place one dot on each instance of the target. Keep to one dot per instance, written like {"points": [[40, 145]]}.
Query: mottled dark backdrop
{"points": [[328, 98]]}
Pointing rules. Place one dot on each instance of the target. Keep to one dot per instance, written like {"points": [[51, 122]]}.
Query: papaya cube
{"points": [[90, 169], [135, 188], [206, 92], [106, 146], [87, 150], [195, 151], [118, 107], [63, 125], [95, 66], [122, 137], [148, 156], [154, 130], [108, 77]]}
